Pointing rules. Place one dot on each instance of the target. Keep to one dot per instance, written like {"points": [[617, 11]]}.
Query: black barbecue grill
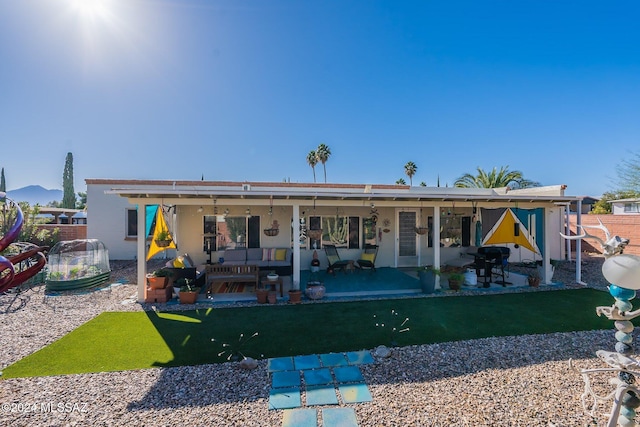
{"points": [[493, 260]]}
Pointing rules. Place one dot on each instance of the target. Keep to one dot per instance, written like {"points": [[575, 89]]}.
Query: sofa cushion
{"points": [[235, 255], [254, 254]]}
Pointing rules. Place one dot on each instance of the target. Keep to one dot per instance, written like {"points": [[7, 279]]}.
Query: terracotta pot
{"points": [[454, 285], [295, 297], [157, 282], [271, 297], [533, 281], [261, 294], [188, 297]]}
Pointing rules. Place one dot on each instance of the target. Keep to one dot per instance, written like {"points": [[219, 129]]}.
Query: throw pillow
{"points": [[178, 262], [268, 254], [281, 255], [368, 257]]}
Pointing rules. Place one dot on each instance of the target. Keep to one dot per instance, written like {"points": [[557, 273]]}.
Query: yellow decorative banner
{"points": [[160, 237]]}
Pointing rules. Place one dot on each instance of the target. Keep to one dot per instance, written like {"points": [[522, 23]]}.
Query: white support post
{"points": [[578, 242], [141, 253], [296, 244], [436, 242]]}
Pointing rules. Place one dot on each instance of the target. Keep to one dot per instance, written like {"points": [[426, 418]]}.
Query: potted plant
{"points": [[188, 293], [455, 280], [295, 294], [163, 238], [159, 279], [262, 293], [534, 279], [427, 276]]}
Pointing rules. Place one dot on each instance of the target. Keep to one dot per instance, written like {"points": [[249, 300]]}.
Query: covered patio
{"points": [[412, 226]]}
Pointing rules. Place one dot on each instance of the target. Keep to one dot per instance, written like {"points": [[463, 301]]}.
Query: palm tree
{"points": [[401, 181], [323, 153], [410, 169], [312, 159], [495, 179]]}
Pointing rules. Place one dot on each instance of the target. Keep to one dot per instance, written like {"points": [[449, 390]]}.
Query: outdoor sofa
{"points": [[279, 260]]}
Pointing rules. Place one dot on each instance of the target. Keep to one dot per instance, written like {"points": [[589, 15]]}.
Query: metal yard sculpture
{"points": [[31, 261], [622, 271]]}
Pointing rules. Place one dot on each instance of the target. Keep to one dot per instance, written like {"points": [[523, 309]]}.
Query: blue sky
{"points": [[244, 89]]}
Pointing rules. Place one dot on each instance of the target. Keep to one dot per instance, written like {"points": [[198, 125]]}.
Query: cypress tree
{"points": [[3, 185], [69, 195]]}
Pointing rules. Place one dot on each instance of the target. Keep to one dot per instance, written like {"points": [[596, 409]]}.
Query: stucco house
{"points": [[625, 206], [528, 221]]}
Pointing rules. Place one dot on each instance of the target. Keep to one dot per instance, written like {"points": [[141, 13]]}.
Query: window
{"points": [[344, 232], [210, 242], [239, 232], [132, 223], [632, 207]]}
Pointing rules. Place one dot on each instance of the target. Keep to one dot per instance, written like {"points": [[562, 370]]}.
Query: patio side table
{"points": [[272, 284]]}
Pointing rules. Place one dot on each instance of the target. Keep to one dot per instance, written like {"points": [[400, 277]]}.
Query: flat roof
{"points": [[176, 189]]}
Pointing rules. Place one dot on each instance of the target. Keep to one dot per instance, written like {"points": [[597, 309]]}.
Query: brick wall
{"points": [[627, 226], [68, 232]]}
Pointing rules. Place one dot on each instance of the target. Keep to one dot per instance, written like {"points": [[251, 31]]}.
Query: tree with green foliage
{"points": [[323, 153], [3, 183], [30, 232], [495, 179], [312, 160], [401, 181], [410, 170], [82, 202], [69, 195], [423, 184]]}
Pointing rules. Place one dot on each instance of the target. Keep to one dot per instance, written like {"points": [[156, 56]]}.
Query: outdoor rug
{"points": [[230, 288]]}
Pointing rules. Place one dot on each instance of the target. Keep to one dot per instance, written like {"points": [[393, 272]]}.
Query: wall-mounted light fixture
{"points": [[200, 209]]}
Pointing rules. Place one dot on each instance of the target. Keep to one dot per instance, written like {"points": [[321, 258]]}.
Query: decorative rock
{"points": [[625, 422], [626, 377], [248, 363], [623, 337], [624, 326], [382, 352], [623, 348], [629, 413], [630, 400], [623, 305], [621, 293]]}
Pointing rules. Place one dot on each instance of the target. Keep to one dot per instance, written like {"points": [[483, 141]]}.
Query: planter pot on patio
{"points": [[188, 297], [454, 285], [262, 294], [427, 281], [315, 290], [157, 282], [295, 296]]}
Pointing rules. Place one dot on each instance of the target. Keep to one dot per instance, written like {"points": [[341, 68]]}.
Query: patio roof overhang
{"points": [[193, 193]]}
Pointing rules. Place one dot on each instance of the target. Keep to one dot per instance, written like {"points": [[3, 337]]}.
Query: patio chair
{"points": [[368, 258], [335, 263]]}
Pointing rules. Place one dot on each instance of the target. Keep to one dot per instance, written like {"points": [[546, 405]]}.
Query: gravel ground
{"points": [[513, 381]]}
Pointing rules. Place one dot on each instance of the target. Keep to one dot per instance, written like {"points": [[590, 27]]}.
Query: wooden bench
{"points": [[231, 274]]}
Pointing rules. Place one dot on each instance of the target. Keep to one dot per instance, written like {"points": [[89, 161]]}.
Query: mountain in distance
{"points": [[35, 194]]}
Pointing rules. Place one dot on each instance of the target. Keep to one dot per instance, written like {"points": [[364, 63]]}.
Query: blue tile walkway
{"points": [[324, 376], [331, 417]]}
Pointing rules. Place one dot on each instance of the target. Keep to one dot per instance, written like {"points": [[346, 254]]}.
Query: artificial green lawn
{"points": [[137, 340]]}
